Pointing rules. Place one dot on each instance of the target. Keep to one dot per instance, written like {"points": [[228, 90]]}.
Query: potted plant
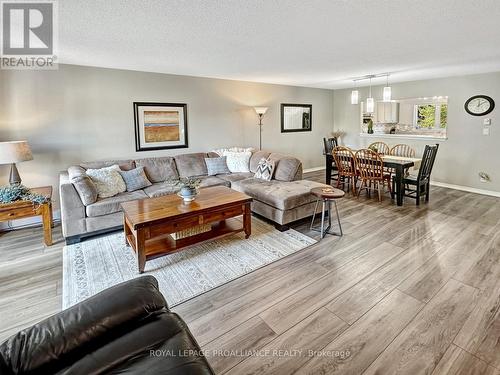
{"points": [[370, 126], [188, 188], [339, 134]]}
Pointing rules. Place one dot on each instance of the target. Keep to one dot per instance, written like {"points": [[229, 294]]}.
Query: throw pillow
{"points": [[84, 186], [217, 166], [135, 179], [108, 181], [238, 161], [265, 169], [221, 151]]}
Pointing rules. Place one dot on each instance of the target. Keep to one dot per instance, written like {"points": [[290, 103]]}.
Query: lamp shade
{"points": [[260, 110], [14, 152], [387, 94], [370, 105], [354, 97]]}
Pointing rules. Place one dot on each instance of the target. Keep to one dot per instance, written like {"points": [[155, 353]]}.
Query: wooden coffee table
{"points": [[149, 223]]}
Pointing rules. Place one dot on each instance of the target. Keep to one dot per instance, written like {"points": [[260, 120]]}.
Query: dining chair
{"points": [[380, 147], [328, 145], [403, 150], [344, 159], [422, 180], [371, 170]]}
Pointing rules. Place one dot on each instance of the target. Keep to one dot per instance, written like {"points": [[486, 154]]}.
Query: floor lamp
{"points": [[260, 111]]}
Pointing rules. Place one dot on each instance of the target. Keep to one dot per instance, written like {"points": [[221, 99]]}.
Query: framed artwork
{"points": [[296, 118], [160, 126]]}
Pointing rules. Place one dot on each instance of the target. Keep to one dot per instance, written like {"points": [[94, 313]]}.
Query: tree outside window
{"points": [[431, 116]]}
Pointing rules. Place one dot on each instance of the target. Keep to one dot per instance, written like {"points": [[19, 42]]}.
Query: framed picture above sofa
{"points": [[160, 126]]}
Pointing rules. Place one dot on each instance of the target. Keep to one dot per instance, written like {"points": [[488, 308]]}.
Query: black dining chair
{"points": [[422, 180], [331, 168]]}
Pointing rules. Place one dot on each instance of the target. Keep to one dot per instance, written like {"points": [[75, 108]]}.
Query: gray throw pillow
{"points": [[84, 186], [217, 166], [135, 179]]}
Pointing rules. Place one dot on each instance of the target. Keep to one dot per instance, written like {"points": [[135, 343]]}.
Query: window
{"points": [[431, 116]]}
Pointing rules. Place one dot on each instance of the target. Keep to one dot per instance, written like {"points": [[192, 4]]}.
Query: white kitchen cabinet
{"points": [[387, 112]]}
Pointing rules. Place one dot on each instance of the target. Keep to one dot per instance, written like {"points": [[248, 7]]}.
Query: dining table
{"points": [[398, 163]]}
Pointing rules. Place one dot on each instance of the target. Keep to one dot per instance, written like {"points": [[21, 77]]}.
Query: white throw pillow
{"points": [[108, 181], [238, 161], [221, 151]]}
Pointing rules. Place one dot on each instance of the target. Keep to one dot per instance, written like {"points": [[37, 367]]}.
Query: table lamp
{"points": [[12, 153]]}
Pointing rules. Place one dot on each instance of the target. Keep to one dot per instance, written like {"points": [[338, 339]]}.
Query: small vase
{"points": [[188, 194]]}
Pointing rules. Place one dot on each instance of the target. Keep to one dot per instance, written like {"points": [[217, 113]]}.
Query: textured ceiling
{"points": [[317, 43]]}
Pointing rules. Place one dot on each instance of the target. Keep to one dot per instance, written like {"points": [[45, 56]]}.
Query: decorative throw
{"points": [[238, 161], [108, 181], [135, 179], [265, 169], [217, 166]]}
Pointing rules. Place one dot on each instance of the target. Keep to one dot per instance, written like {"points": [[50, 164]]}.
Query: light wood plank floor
{"points": [[407, 290]]}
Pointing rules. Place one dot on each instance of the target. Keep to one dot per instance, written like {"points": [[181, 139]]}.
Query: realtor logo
{"points": [[28, 35]]}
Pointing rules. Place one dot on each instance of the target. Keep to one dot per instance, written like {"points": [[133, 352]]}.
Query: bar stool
{"points": [[327, 195]]}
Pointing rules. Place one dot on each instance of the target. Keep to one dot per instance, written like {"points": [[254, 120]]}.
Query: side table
{"points": [[326, 196], [24, 209]]}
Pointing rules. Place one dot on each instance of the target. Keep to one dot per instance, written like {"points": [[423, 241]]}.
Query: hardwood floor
{"points": [[406, 290]]}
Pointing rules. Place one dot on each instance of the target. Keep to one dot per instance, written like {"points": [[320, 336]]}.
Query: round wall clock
{"points": [[479, 105]]}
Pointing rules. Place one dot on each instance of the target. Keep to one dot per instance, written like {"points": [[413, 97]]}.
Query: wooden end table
{"points": [[149, 222], [24, 209]]}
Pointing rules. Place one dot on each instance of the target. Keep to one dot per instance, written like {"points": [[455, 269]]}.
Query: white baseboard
{"points": [[313, 169], [35, 220], [466, 188]]}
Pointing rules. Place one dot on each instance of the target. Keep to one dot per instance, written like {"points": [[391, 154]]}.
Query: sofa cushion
{"points": [[161, 189], [286, 167], [279, 194], [107, 180], [111, 205], [159, 169], [125, 165], [213, 181], [216, 166], [256, 158], [135, 179], [238, 161], [83, 184], [231, 177], [189, 165]]}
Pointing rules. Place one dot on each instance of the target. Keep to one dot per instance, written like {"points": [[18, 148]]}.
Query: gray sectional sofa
{"points": [[284, 199]]}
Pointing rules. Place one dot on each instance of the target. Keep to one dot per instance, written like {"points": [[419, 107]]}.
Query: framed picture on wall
{"points": [[160, 126], [296, 118]]}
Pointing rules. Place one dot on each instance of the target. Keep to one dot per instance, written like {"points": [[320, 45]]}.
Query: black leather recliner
{"points": [[126, 329]]}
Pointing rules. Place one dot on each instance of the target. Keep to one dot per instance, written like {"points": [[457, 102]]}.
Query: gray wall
{"points": [[466, 151], [80, 113]]}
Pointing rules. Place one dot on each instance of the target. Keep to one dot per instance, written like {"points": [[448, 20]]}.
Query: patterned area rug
{"points": [[99, 263]]}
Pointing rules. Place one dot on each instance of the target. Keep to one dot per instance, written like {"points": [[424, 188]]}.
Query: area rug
{"points": [[96, 264]]}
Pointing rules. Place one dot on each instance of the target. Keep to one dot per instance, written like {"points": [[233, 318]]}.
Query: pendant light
{"points": [[355, 95], [370, 103], [387, 91]]}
